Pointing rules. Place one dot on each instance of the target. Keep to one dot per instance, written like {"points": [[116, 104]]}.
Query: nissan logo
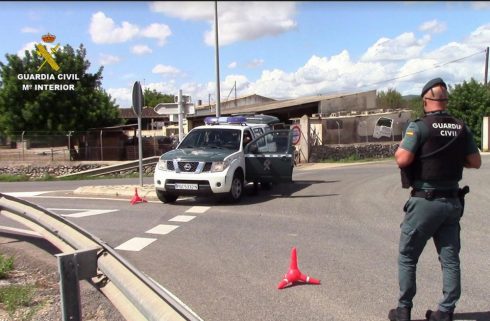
{"points": [[187, 166]]}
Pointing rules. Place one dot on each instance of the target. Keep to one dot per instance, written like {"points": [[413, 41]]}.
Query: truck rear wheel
{"points": [[165, 197]]}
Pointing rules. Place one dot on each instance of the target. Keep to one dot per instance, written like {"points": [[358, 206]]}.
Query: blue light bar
{"points": [[225, 120]]}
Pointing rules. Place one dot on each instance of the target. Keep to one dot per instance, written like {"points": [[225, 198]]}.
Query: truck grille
{"points": [[189, 167]]}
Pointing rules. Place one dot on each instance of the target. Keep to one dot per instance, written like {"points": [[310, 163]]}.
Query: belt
{"points": [[431, 194]]}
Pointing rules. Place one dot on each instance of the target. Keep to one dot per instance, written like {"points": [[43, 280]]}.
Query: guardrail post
{"points": [[73, 267]]}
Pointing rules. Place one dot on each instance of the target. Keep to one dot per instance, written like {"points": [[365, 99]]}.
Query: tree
{"points": [[25, 105], [392, 99], [416, 104], [470, 102], [153, 98]]}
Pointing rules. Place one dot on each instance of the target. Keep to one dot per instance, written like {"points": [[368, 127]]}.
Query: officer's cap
{"points": [[431, 84]]}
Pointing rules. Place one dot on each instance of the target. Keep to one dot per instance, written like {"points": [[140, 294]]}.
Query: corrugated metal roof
{"points": [[262, 107]]}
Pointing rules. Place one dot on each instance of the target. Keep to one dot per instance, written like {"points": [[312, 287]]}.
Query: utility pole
{"points": [[486, 68], [218, 107]]}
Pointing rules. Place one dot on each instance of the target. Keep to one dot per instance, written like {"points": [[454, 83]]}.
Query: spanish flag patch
{"points": [[409, 133]]}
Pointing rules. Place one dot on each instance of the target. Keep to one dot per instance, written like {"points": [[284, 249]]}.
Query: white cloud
{"points": [[106, 59], [232, 65], [403, 47], [103, 30], [255, 63], [141, 50], [165, 70], [28, 46], [123, 96], [433, 26], [236, 20], [479, 37], [29, 30], [158, 31]]}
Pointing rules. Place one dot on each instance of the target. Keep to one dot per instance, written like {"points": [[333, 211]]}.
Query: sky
{"points": [[279, 49]]}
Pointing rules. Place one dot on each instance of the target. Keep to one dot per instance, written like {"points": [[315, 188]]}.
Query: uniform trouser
{"points": [[439, 219]]}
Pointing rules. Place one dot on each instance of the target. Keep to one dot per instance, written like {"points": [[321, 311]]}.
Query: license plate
{"points": [[186, 186]]}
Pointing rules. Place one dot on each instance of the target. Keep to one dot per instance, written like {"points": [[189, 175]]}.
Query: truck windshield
{"points": [[212, 138]]}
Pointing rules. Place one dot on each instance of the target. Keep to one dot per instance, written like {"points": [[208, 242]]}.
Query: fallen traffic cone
{"points": [[294, 274], [136, 198]]}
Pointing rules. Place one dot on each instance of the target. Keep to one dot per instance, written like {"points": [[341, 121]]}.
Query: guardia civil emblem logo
{"points": [[47, 55]]}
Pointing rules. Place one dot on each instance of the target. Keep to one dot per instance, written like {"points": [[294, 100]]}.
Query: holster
{"points": [[406, 174], [461, 194]]}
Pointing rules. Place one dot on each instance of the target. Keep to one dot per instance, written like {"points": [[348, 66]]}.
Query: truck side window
{"points": [[247, 137]]}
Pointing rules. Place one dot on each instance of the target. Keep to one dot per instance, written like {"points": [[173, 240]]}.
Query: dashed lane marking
{"points": [[198, 209], [162, 229], [135, 244], [182, 218]]}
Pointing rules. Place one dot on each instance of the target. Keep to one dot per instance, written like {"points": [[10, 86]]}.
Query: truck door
{"points": [[269, 157]]}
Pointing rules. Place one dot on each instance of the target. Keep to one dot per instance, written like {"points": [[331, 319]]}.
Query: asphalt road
{"points": [[225, 261]]}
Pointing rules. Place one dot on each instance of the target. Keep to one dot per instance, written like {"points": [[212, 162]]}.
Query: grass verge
{"points": [[15, 296]]}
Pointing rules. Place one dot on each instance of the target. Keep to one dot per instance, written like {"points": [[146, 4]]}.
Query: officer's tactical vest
{"points": [[443, 152]]}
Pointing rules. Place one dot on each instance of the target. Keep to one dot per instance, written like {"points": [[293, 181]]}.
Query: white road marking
{"points": [[198, 209], [21, 231], [162, 229], [182, 218], [40, 195], [135, 244], [82, 212], [27, 194]]}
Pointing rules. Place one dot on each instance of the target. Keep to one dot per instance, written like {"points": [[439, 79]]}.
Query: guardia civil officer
{"points": [[431, 156]]}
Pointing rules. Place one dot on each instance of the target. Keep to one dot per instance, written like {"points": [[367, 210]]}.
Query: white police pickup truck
{"points": [[222, 156]]}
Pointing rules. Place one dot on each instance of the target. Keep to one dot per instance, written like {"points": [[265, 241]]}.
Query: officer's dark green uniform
{"points": [[437, 217], [440, 144]]}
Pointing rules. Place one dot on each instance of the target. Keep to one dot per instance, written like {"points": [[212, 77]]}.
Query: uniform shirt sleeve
{"points": [[471, 147], [412, 138]]}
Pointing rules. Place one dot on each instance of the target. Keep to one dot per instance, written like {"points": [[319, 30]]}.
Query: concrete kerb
{"points": [[122, 191]]}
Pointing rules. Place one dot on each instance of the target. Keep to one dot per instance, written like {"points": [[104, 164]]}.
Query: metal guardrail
{"points": [[153, 160], [133, 294]]}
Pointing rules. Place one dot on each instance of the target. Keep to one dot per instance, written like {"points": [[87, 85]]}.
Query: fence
{"points": [[114, 145]]}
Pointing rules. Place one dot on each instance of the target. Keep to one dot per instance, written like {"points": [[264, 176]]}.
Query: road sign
{"points": [[138, 98], [296, 134], [173, 109]]}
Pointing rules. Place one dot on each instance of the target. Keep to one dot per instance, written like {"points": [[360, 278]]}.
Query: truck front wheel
{"points": [[165, 197], [236, 190]]}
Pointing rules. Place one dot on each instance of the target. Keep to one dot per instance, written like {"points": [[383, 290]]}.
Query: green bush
{"points": [[6, 265]]}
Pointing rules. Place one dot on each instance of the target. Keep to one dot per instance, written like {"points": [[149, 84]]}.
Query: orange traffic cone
{"points": [[136, 198], [294, 274]]}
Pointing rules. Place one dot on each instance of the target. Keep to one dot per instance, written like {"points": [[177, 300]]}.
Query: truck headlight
{"points": [[162, 165], [220, 166]]}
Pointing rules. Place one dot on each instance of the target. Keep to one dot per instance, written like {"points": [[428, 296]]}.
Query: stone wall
{"points": [[34, 171], [359, 151]]}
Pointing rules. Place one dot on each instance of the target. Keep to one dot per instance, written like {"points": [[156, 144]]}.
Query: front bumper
{"points": [[207, 183]]}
